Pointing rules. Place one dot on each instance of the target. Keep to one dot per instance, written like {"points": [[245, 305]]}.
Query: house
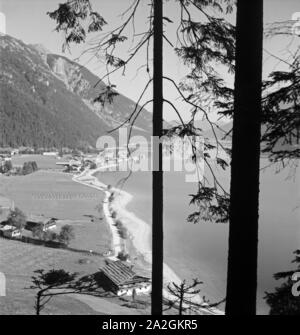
{"points": [[50, 153], [72, 163], [34, 221], [10, 231], [122, 280], [14, 152]]}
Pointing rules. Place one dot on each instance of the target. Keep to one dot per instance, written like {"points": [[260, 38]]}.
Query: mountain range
{"points": [[47, 101]]}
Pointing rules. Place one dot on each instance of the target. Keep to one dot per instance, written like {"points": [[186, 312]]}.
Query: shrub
{"points": [[50, 236], [66, 234], [123, 232], [121, 229], [17, 218], [122, 256], [29, 167], [118, 224], [111, 197], [6, 167], [38, 232]]}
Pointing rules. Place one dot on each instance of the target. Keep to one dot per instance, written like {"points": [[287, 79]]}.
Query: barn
{"points": [[40, 220], [122, 280]]}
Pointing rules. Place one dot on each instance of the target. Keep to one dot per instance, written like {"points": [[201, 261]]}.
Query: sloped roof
{"points": [[8, 227], [39, 218], [119, 273]]}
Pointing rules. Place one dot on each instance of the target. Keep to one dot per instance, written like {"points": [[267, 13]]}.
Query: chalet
{"points": [[10, 231], [50, 153], [14, 152], [122, 280], [74, 164], [34, 221]]}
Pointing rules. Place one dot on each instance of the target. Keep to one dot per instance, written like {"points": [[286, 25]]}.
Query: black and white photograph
{"points": [[149, 154]]}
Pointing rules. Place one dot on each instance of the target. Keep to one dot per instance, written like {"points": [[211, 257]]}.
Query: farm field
{"points": [[19, 260], [54, 194], [43, 162]]}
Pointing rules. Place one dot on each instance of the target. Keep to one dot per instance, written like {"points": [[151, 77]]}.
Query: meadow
{"points": [[43, 162], [18, 262], [53, 194]]}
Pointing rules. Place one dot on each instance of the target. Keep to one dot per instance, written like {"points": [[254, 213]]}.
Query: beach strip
{"points": [[139, 230]]}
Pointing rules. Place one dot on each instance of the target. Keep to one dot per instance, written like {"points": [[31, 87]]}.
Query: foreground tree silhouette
{"points": [[281, 109], [244, 187], [183, 294], [283, 301], [60, 282], [47, 281], [183, 298], [157, 173]]}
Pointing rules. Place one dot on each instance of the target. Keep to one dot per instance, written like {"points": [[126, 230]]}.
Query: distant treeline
{"points": [[39, 151], [28, 167]]}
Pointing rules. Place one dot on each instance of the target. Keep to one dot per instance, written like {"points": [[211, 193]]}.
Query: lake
{"points": [[200, 250]]}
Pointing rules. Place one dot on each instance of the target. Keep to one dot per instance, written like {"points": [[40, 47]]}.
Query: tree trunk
{"points": [[157, 174], [38, 303], [244, 188], [181, 299]]}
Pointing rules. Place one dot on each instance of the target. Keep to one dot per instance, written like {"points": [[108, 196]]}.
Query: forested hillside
{"points": [[47, 101]]}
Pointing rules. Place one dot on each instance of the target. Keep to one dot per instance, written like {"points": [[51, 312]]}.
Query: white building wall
{"points": [[139, 290]]}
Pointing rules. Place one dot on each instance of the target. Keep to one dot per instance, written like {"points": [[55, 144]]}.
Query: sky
{"points": [[27, 20]]}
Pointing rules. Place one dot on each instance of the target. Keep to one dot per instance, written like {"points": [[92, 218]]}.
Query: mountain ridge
{"points": [[47, 100]]}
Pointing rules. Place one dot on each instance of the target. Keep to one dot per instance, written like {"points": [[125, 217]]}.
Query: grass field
{"points": [[43, 162], [19, 260], [53, 194]]}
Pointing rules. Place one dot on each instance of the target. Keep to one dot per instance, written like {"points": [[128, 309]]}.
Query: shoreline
{"points": [[139, 230]]}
